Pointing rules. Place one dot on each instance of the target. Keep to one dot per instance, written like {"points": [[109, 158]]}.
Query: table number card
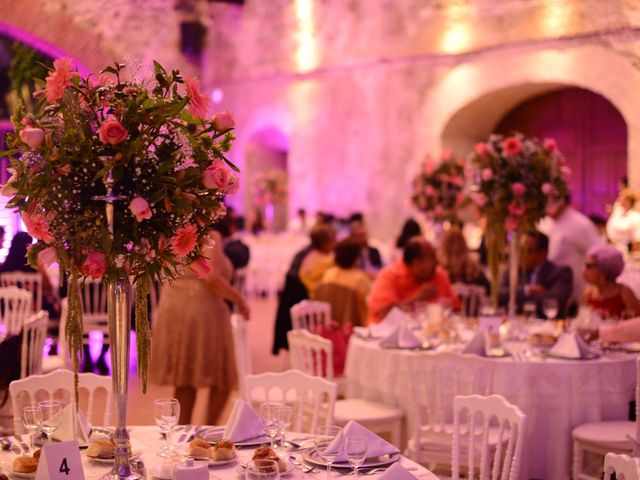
{"points": [[491, 325], [60, 461]]}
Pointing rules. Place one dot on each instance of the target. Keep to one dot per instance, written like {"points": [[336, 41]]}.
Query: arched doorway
{"points": [[266, 167], [591, 134]]}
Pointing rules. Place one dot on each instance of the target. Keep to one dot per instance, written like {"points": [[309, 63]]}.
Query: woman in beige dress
{"points": [[192, 339]]}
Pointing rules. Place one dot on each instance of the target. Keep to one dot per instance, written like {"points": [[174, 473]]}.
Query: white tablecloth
{"points": [[148, 440], [556, 395]]}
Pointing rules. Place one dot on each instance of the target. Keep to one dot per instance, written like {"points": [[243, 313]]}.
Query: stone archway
{"points": [[468, 101]]}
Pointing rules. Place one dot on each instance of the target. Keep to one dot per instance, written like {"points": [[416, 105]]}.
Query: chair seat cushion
{"points": [[608, 434], [361, 410], [442, 440]]}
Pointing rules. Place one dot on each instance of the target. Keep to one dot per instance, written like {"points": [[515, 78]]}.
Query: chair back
{"points": [[310, 315], [31, 281], [437, 378], [15, 305], [311, 353], [34, 333], [472, 298], [95, 316], [481, 413], [59, 385], [241, 349], [312, 398], [623, 466], [347, 306]]}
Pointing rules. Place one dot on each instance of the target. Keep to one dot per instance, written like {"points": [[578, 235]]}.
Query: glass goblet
{"points": [[262, 470], [51, 411], [550, 308], [271, 413], [32, 421], [285, 424], [356, 447], [328, 442], [166, 412]]}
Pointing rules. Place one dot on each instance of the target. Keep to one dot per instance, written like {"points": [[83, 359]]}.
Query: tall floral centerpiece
{"points": [[514, 177], [119, 180], [269, 189]]}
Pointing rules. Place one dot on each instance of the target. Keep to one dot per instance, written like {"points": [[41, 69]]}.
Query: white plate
{"points": [[23, 475], [290, 469], [156, 472], [214, 463], [109, 461], [213, 434], [312, 456]]}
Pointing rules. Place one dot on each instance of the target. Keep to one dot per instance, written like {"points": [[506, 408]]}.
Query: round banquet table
{"points": [[147, 439], [555, 394]]}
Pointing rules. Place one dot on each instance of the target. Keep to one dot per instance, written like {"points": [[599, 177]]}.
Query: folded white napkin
{"points": [[396, 472], [376, 446], [74, 426], [244, 423], [478, 344], [393, 319], [570, 345], [402, 337]]}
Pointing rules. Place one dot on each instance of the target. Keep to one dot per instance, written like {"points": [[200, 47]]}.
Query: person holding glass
{"points": [[539, 279], [192, 339]]}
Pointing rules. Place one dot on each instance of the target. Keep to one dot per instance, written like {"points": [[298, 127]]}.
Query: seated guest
{"points": [[455, 258], [603, 266], [348, 302], [415, 278], [294, 290], [541, 279], [320, 258], [369, 260], [234, 248]]}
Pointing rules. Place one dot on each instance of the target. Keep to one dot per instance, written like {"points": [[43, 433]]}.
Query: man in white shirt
{"points": [[570, 234]]}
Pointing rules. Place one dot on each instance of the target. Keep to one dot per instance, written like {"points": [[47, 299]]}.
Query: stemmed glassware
{"points": [[32, 421], [550, 308], [328, 442], [271, 413], [285, 424], [262, 470], [51, 411], [166, 412], [355, 447]]}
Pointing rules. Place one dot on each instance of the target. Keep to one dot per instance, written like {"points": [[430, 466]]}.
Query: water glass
{"points": [[328, 441], [355, 447], [32, 421], [166, 412], [550, 308], [285, 424], [51, 411], [271, 413], [262, 470]]}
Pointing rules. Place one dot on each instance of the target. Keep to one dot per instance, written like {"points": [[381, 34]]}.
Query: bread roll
{"points": [[25, 464], [266, 453], [223, 450], [200, 448], [101, 449]]}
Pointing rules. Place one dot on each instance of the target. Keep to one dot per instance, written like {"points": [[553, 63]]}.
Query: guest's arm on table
{"points": [[384, 296], [625, 331]]}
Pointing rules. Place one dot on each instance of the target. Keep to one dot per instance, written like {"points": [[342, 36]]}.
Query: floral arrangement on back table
{"points": [[515, 176], [270, 187], [166, 158], [438, 191]]}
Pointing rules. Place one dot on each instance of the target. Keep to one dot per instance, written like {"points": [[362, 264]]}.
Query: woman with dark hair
{"points": [[16, 260], [410, 229]]}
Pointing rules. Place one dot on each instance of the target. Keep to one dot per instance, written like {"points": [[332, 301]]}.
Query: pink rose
{"points": [[112, 132], [59, 79], [95, 265], [140, 209], [429, 191], [37, 227], [565, 171], [518, 189], [32, 136], [550, 145], [516, 209], [481, 149], [233, 184], [456, 180], [200, 266], [547, 188], [223, 121], [184, 241], [48, 256], [198, 102], [480, 199], [486, 174], [511, 146], [216, 175]]}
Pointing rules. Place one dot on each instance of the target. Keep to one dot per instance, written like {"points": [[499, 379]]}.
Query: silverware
{"points": [[183, 437]]}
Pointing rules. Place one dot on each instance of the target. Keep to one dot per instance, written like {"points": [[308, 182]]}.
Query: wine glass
{"points": [[328, 442], [32, 421], [166, 412], [550, 308], [51, 411], [285, 424], [262, 470], [356, 450], [271, 413]]}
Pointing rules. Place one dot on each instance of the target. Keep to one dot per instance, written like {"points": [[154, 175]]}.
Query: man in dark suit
{"points": [[538, 277], [370, 260]]}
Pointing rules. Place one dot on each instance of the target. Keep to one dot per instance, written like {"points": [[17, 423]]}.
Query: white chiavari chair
{"points": [[604, 437], [31, 281], [59, 385], [499, 457], [15, 305], [95, 316], [312, 398], [62, 358], [34, 333], [241, 350], [310, 315], [623, 466], [472, 298]]}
